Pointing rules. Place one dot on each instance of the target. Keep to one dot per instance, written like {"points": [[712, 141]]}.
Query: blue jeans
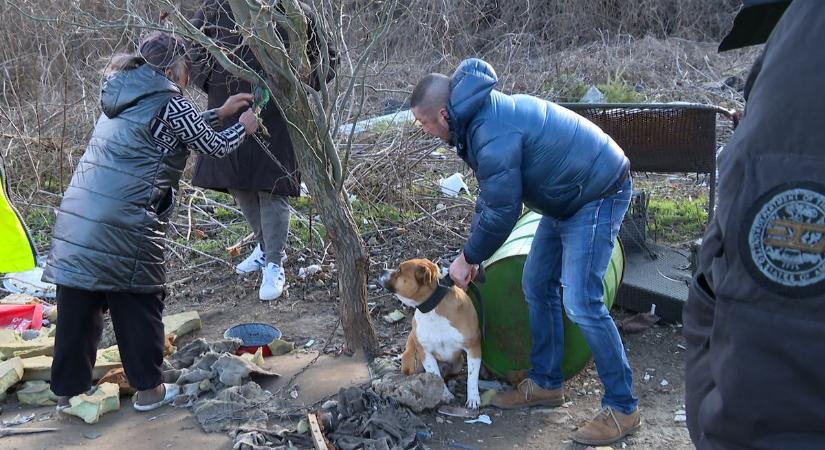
{"points": [[574, 254]]}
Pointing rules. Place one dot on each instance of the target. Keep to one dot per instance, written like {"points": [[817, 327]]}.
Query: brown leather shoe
{"points": [[528, 394], [608, 427]]}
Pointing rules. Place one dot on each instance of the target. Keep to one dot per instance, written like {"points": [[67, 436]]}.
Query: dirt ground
{"points": [[308, 315]]}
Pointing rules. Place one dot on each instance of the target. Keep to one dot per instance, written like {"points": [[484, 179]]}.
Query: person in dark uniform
{"points": [[755, 317]]}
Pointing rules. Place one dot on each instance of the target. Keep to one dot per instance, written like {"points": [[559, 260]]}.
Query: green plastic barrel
{"points": [[506, 344]]}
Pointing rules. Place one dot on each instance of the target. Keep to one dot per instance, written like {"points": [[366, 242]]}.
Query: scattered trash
{"points": [[234, 407], [647, 377], [92, 435], [394, 316], [664, 383], [484, 418], [440, 206], [303, 426], [21, 317], [639, 322], [304, 272], [454, 444], [366, 420], [154, 418], [398, 117], [680, 416], [424, 435], [453, 185], [29, 282], [490, 384], [329, 404], [29, 335], [309, 343], [681, 347], [293, 393], [19, 419], [232, 370], [593, 95], [487, 397], [458, 411]]}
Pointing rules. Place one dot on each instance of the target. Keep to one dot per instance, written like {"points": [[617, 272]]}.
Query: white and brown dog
{"points": [[445, 324]]}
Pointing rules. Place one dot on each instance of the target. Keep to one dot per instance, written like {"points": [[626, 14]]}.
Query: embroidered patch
{"points": [[785, 239]]}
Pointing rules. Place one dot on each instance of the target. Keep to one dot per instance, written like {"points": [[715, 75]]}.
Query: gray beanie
{"points": [[161, 50]]}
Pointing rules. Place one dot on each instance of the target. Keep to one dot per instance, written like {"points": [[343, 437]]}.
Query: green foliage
{"points": [[568, 88], [40, 222], [616, 90], [216, 242], [677, 220]]}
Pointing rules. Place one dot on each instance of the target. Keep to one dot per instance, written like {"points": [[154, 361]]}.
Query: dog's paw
{"points": [[447, 396], [473, 401]]}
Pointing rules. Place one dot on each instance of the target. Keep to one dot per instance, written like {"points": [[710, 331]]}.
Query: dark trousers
{"points": [[138, 328]]}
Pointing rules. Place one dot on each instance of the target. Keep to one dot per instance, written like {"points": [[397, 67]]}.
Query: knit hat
{"points": [[161, 50]]}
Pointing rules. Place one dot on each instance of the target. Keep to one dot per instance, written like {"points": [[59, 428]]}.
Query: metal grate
{"points": [[662, 137]]}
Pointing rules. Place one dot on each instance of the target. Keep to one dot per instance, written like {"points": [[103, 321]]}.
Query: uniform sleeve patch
{"points": [[784, 240]]}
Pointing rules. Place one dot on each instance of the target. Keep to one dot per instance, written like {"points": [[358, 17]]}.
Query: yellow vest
{"points": [[17, 252]]}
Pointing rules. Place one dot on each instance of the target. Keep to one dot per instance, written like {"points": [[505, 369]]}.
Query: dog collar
{"points": [[444, 286]]}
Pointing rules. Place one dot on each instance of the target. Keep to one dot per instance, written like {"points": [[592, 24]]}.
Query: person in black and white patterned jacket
{"points": [[108, 246]]}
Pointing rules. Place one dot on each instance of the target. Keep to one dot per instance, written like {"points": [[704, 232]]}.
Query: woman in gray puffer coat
{"points": [[108, 246]]}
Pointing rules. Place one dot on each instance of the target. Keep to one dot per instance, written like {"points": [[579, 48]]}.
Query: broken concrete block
{"points": [[280, 347], [105, 398], [40, 368], [257, 358], [19, 299], [181, 324], [9, 336], [418, 392], [43, 346], [36, 393], [118, 377], [108, 355], [11, 372]]}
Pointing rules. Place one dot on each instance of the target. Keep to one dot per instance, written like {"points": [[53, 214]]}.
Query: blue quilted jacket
{"points": [[524, 149]]}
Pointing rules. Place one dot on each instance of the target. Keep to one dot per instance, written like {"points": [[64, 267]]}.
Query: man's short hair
{"points": [[431, 93]]}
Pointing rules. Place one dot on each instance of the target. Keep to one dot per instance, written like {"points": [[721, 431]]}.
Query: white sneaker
{"points": [[253, 263], [273, 282]]}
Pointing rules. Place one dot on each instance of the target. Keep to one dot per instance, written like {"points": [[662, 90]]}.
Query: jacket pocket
{"points": [[165, 205]]}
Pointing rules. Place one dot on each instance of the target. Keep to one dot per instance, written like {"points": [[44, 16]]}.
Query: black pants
{"points": [[138, 328]]}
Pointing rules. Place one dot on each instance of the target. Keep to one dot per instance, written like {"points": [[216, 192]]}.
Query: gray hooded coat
{"points": [[110, 226]]}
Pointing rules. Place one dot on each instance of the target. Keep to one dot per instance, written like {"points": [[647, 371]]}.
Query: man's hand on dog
{"points": [[462, 272]]}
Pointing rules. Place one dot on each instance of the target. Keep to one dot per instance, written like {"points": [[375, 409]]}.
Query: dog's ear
{"points": [[426, 274]]}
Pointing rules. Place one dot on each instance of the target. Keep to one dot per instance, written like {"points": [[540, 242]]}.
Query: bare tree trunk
{"points": [[352, 259], [287, 72]]}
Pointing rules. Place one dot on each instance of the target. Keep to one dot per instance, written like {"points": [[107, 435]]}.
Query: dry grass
{"points": [[660, 50]]}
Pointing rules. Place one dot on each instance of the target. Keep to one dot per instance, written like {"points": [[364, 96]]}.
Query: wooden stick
{"points": [[317, 436], [5, 431]]}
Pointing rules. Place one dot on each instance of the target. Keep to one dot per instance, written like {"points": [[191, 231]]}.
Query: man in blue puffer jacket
{"points": [[527, 150]]}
